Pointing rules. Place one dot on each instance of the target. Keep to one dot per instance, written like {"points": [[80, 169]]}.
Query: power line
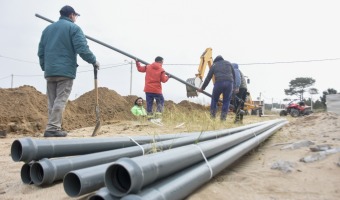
{"points": [[19, 60], [102, 68], [4, 77], [255, 63], [26, 75], [26, 61], [276, 62], [291, 62]]}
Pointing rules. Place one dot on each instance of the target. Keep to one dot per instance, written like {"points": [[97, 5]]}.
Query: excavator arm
{"points": [[206, 60]]}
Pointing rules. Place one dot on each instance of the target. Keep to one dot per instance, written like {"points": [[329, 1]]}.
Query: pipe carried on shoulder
{"points": [[130, 56]]}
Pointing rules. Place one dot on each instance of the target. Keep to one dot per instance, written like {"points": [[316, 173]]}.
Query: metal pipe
{"points": [[183, 183], [102, 194], [86, 180], [130, 56], [28, 149], [130, 175], [46, 171]]}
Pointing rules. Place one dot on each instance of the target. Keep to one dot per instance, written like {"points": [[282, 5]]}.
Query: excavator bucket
{"points": [[191, 91], [206, 60]]}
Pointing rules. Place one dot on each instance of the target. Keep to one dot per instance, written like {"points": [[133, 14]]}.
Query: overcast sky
{"points": [[264, 37]]}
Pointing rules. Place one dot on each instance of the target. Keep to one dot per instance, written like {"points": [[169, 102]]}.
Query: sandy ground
{"points": [[256, 175]]}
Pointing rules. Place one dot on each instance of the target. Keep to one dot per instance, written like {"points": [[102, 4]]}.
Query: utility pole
{"points": [[130, 75], [131, 78]]}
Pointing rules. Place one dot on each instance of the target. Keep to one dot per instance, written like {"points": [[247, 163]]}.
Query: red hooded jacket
{"points": [[154, 77]]}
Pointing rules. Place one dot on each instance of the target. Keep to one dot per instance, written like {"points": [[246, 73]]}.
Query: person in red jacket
{"points": [[154, 77]]}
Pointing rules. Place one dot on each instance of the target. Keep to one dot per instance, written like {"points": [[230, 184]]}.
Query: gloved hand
{"points": [[137, 62], [96, 65]]}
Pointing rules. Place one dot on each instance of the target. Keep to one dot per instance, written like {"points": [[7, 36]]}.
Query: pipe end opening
{"points": [[37, 173], [16, 151], [118, 180], [72, 185]]}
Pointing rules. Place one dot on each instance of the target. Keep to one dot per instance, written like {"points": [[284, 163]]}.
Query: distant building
{"points": [[333, 103]]}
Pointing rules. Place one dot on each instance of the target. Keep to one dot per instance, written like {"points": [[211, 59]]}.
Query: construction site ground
{"points": [[254, 176]]}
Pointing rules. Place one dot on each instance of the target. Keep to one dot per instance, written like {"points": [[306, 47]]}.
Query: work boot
{"points": [[149, 116], [55, 134], [158, 115], [223, 116], [237, 118]]}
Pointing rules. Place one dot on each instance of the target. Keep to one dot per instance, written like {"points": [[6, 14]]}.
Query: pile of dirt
{"points": [[24, 109]]}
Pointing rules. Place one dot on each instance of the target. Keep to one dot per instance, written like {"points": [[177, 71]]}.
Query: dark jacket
{"points": [[58, 48], [237, 75], [222, 70]]}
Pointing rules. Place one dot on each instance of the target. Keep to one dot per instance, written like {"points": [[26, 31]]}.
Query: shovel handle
{"points": [[95, 71]]}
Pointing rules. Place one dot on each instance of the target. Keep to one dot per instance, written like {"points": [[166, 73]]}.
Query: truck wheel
{"points": [[294, 113]]}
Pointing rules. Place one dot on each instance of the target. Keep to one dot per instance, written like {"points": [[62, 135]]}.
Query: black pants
{"points": [[239, 103]]}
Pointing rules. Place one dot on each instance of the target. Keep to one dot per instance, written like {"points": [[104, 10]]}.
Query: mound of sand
{"points": [[24, 109]]}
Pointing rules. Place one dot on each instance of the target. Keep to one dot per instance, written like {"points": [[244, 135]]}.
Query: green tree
{"points": [[325, 93], [298, 86], [318, 105]]}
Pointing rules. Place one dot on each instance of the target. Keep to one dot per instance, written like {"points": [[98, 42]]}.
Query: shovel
{"points": [[98, 125]]}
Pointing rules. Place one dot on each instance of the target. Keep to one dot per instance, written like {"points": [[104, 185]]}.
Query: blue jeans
{"points": [[150, 97], [225, 88]]}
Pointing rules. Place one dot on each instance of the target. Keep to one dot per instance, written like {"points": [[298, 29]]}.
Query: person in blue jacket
{"points": [[59, 46], [237, 77]]}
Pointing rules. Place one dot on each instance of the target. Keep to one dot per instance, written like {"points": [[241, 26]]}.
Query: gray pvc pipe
{"points": [[86, 180], [183, 183], [83, 181], [46, 171], [129, 175], [102, 194], [28, 149], [25, 173]]}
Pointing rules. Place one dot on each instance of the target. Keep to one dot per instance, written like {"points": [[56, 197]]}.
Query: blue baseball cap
{"points": [[67, 10]]}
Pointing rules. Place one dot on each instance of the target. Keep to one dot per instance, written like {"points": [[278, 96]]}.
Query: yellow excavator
{"points": [[207, 60]]}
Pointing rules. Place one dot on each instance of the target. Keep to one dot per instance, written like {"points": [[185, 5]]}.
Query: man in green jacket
{"points": [[59, 46]]}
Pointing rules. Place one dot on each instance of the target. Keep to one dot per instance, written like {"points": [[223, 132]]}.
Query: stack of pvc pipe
{"points": [[31, 150], [133, 172], [174, 174]]}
